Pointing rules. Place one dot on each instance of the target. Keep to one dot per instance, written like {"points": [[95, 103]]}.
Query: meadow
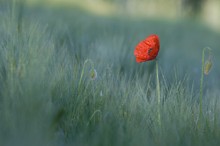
{"points": [[68, 77]]}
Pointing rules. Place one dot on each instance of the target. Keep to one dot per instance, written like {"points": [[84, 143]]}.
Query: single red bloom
{"points": [[147, 49]]}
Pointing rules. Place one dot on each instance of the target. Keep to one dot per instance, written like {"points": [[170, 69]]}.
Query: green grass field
{"points": [[49, 96]]}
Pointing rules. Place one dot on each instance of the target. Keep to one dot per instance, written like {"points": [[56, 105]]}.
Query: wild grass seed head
{"points": [[93, 74], [208, 64], [207, 67]]}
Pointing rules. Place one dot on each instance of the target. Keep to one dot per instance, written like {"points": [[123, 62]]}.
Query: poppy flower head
{"points": [[147, 49]]}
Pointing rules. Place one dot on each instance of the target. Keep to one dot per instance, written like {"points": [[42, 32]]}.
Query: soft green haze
{"points": [[45, 100]]}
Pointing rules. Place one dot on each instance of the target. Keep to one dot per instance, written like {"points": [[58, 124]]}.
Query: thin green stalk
{"points": [[208, 67], [96, 112], [82, 73], [201, 82], [158, 92]]}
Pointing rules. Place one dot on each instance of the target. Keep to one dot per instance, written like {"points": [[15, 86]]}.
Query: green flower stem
{"points": [[158, 92], [201, 82]]}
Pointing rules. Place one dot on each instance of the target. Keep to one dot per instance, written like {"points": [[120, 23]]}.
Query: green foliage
{"points": [[47, 96]]}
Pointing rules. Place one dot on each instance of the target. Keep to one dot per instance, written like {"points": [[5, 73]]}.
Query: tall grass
{"points": [[45, 99]]}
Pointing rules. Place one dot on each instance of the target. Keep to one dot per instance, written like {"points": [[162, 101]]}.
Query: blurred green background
{"points": [[184, 26], [207, 10], [47, 96]]}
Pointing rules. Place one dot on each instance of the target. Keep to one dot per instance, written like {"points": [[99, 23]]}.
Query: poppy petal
{"points": [[147, 49], [140, 60]]}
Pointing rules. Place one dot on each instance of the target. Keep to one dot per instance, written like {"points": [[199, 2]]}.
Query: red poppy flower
{"points": [[147, 49]]}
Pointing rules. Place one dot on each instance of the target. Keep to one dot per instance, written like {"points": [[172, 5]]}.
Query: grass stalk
{"points": [[158, 92], [82, 73], [201, 83]]}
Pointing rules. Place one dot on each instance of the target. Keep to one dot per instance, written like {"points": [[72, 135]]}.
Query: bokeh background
{"points": [[48, 49], [208, 11], [185, 28]]}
